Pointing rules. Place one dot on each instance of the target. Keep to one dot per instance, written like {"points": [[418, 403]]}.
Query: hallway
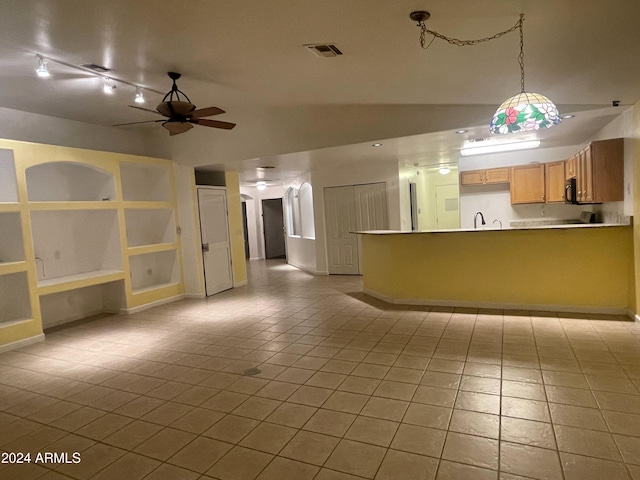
{"points": [[346, 387]]}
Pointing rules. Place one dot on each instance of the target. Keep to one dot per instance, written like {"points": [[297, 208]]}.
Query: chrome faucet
{"points": [[496, 220], [475, 219]]}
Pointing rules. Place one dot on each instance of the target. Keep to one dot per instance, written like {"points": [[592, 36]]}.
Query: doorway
{"points": [[273, 225], [214, 233], [447, 207], [245, 230]]}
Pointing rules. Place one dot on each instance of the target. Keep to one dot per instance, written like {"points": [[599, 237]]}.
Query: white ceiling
{"points": [[247, 58]]}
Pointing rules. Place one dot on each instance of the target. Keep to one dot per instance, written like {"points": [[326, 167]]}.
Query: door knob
{"points": [[205, 247]]}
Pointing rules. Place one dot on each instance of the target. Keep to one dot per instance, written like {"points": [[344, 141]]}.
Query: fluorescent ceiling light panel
{"points": [[499, 147]]}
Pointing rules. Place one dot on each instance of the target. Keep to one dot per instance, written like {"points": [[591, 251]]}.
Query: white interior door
{"points": [[216, 248], [447, 206], [371, 206], [340, 217]]}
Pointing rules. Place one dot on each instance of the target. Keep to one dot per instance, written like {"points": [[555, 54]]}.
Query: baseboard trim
{"points": [[308, 270], [503, 306], [634, 316], [22, 343], [146, 306], [197, 296], [241, 284]]}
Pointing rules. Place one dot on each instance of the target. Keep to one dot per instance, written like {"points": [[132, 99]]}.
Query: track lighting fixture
{"points": [[108, 86], [42, 71], [139, 95]]}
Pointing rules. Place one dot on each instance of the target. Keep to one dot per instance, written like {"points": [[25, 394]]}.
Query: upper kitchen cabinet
{"points": [[600, 172], [527, 184], [484, 177], [554, 176]]}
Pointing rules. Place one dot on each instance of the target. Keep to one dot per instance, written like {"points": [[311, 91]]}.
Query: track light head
{"points": [[42, 71], [108, 86], [139, 95]]}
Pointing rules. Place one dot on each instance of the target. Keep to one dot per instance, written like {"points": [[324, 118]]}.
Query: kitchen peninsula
{"points": [[570, 268]]}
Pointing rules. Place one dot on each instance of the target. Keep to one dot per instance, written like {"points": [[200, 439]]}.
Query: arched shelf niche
{"points": [[69, 182]]}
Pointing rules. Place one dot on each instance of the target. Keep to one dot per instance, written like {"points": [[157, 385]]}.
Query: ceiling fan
{"points": [[181, 113]]}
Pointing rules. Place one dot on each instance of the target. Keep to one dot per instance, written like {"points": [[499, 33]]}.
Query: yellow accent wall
{"points": [[235, 228], [580, 267], [635, 135]]}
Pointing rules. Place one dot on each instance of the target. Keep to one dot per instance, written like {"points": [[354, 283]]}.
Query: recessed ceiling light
{"points": [[567, 116], [376, 145], [460, 131]]}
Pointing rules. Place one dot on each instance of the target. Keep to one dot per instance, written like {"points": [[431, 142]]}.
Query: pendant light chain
{"points": [[521, 56], [465, 43]]}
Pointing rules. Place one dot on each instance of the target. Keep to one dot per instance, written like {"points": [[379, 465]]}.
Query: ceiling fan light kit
{"points": [[525, 111]]}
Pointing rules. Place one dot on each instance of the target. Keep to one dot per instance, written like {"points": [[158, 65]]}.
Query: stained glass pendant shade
{"points": [[525, 111]]}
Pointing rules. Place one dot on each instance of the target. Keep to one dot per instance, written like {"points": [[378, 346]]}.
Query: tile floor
{"points": [[349, 388]]}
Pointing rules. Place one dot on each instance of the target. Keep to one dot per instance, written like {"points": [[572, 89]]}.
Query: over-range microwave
{"points": [[571, 191]]}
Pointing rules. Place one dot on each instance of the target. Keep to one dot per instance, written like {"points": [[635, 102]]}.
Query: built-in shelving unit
{"points": [[82, 232], [69, 182]]}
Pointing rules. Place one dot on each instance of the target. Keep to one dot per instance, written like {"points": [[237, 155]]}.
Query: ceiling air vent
{"points": [[324, 50], [96, 68]]}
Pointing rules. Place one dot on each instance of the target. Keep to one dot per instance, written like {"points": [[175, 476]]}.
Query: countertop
{"points": [[542, 227]]}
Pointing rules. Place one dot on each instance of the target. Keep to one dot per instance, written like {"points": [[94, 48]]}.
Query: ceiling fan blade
{"points": [[212, 123], [145, 109], [206, 112], [136, 123], [176, 128]]}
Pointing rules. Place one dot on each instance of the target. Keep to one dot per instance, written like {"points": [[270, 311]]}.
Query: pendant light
{"points": [[525, 111]]}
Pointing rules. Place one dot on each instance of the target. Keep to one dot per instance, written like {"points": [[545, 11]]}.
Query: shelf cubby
{"points": [[149, 226], [71, 242], [145, 182], [69, 182], [152, 270], [11, 244], [15, 303], [70, 305], [8, 183]]}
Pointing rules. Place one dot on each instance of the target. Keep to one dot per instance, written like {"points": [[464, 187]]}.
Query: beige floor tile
{"points": [[291, 414], [528, 432], [132, 435], [310, 447], [586, 442], [131, 466], [139, 407], [407, 375], [582, 417], [200, 454], [311, 363], [577, 467], [385, 408], [618, 402], [36, 440], [571, 396], [527, 409], [395, 390], [380, 358], [346, 402], [104, 426], [72, 421], [257, 407], [225, 401], [167, 413], [406, 466], [623, 423], [283, 468], [312, 396], [612, 384], [371, 371], [446, 366], [472, 450], [268, 437], [164, 444], [518, 374], [442, 380], [326, 380], [629, 448], [93, 460], [634, 471], [565, 379], [478, 402], [361, 385], [480, 385], [527, 390], [372, 430], [532, 462], [197, 420], [428, 416], [442, 397], [457, 471], [295, 375], [231, 428], [421, 440], [171, 472], [277, 390], [483, 370], [330, 422], [327, 474], [475, 423], [247, 385], [356, 458], [240, 464]]}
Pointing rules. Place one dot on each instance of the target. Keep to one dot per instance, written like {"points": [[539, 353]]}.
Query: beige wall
{"points": [[235, 229]]}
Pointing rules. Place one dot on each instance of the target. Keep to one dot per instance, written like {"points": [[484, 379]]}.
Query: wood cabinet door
{"points": [[496, 175], [472, 177], [554, 182], [527, 184], [588, 180], [570, 168]]}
